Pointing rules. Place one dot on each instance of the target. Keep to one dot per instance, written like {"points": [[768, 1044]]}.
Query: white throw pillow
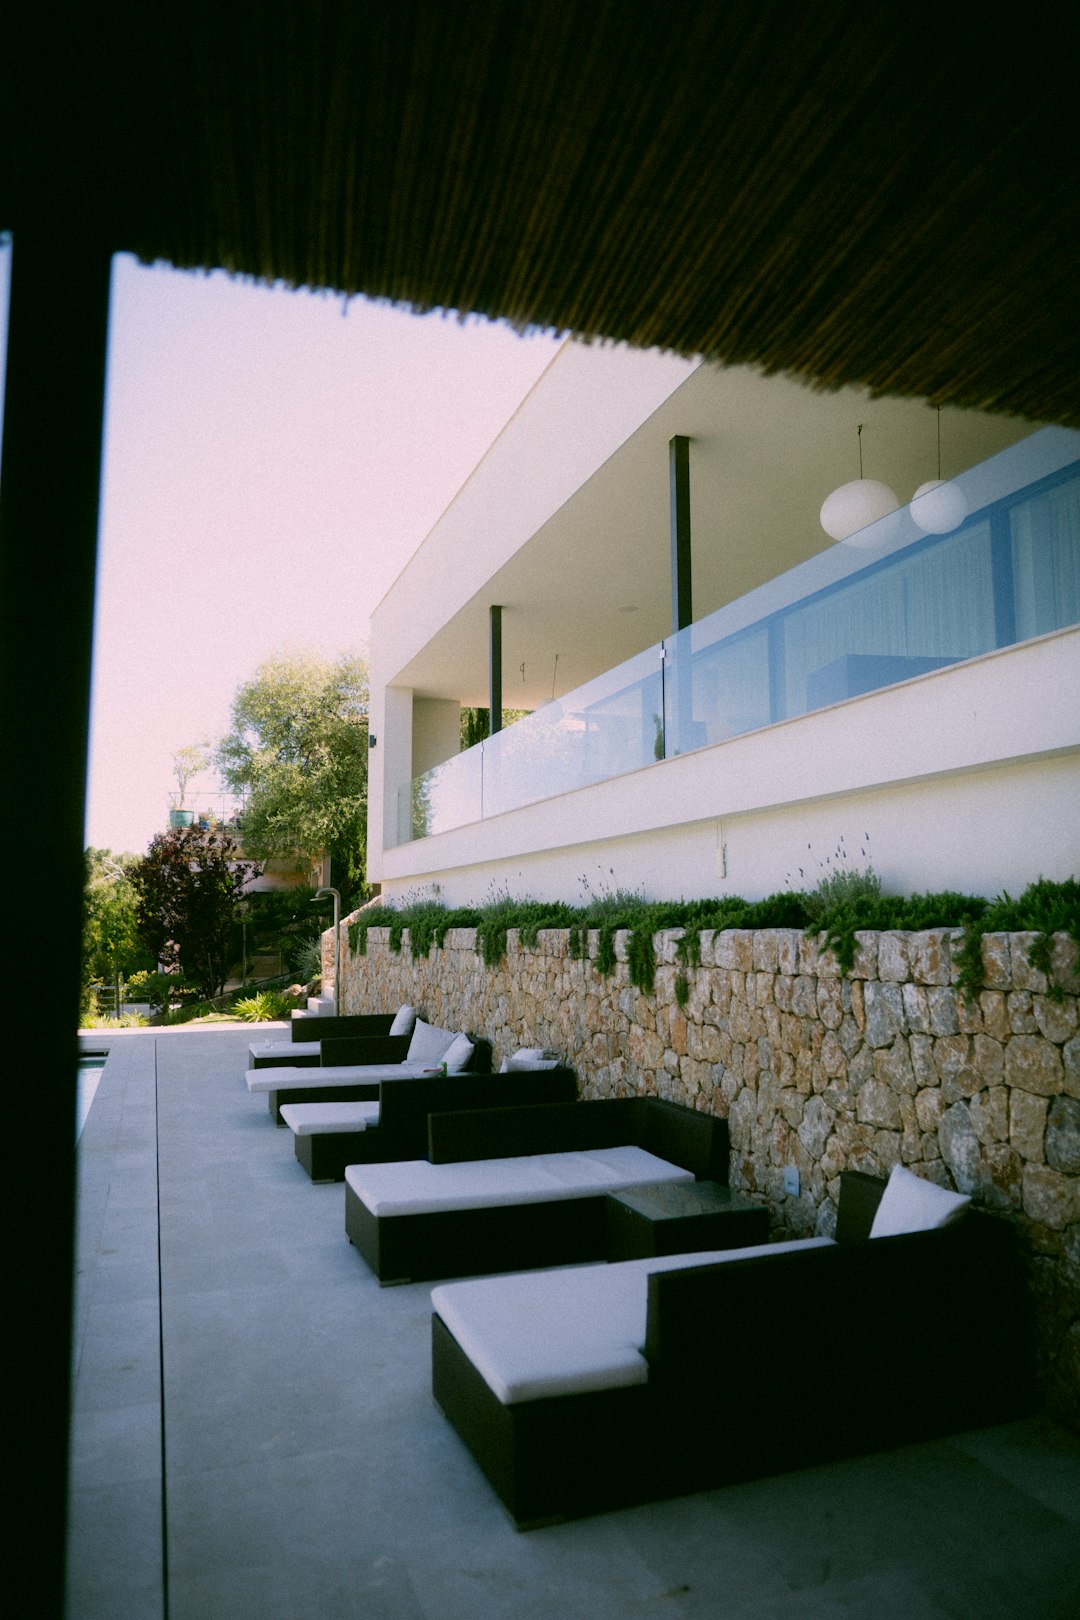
{"points": [[404, 1019], [458, 1053], [910, 1204], [518, 1063], [429, 1043]]}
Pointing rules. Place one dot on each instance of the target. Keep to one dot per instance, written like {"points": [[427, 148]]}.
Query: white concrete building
{"points": [[909, 697]]}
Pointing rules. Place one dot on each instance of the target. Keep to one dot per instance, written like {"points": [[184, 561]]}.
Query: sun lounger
{"points": [[585, 1389], [507, 1188], [307, 1036], [340, 1077], [328, 1136]]}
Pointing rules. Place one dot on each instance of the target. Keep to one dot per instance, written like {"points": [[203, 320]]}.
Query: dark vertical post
{"points": [[49, 492], [679, 478], [495, 702], [678, 710]]}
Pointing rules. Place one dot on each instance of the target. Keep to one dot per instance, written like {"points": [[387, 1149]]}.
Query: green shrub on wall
{"points": [[840, 906]]}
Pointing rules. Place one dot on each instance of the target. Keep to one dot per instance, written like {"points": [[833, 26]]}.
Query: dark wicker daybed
{"points": [[767, 1362], [352, 1069], [400, 1126], [503, 1233], [307, 1036]]}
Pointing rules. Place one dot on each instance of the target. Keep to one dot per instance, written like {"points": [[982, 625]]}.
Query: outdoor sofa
{"points": [[303, 1047], [353, 1070], [503, 1189], [582, 1390], [329, 1136]]}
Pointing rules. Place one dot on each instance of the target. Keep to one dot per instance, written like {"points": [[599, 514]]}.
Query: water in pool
{"points": [[90, 1067]]}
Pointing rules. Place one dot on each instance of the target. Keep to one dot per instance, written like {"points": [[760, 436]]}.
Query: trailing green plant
{"points": [[843, 903], [1045, 908]]}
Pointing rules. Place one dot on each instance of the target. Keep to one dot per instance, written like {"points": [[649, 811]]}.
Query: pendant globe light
{"points": [[939, 505], [852, 508]]}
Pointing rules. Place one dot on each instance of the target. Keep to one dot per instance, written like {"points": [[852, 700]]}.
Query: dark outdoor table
{"points": [[680, 1217]]}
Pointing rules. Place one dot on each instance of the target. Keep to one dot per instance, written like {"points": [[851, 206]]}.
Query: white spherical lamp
{"points": [[938, 506], [854, 507]]}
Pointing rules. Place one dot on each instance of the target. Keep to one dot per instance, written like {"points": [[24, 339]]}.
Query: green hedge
{"points": [[840, 907]]}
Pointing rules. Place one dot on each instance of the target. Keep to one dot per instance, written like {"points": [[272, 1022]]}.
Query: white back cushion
{"points": [[404, 1019], [429, 1043], [910, 1204], [457, 1054]]}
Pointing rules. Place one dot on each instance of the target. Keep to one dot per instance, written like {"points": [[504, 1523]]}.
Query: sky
{"points": [[272, 459]]}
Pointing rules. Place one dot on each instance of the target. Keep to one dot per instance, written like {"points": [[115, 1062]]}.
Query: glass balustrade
{"points": [[1001, 565]]}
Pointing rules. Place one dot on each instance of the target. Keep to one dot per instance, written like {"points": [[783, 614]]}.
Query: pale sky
{"points": [[270, 465]]}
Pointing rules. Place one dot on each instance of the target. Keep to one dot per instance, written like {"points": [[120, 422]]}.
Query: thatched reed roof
{"points": [[882, 194]]}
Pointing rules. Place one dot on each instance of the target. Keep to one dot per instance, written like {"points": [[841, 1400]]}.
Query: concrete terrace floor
{"points": [[302, 1469]]}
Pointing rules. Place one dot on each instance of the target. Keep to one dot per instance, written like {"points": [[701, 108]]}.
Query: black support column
{"points": [[495, 702], [49, 494], [679, 479]]}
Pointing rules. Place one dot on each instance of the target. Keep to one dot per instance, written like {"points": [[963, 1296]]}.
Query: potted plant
{"points": [[187, 762]]}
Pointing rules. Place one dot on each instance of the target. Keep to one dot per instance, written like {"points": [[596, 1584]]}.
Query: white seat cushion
{"points": [[414, 1187], [284, 1051], [541, 1333], [344, 1074], [329, 1118]]}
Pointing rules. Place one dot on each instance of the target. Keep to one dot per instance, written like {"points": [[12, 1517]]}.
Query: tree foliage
{"points": [[111, 942], [298, 752], [187, 888]]}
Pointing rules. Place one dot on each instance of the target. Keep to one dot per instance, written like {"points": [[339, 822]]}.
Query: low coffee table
{"points": [[678, 1217]]}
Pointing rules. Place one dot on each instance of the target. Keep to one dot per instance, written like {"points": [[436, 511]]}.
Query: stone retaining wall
{"points": [[815, 1070]]}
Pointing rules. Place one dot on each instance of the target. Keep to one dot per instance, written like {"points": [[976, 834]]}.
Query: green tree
{"points": [[111, 943], [188, 886], [298, 751]]}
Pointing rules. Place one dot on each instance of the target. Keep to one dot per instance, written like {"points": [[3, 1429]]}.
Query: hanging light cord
{"points": [[860, 448]]}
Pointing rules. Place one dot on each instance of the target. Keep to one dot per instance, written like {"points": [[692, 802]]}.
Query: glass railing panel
{"points": [[448, 796], [612, 725], [1045, 554], [907, 616]]}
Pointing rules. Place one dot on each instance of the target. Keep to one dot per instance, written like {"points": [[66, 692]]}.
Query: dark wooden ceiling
{"points": [[880, 194]]}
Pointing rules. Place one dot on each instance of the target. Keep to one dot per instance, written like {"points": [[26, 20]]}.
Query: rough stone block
{"points": [[1027, 1122], [1034, 1064], [943, 1014], [892, 1065], [1057, 1020], [865, 961], [878, 1105], [1063, 1136], [996, 961], [830, 1002], [884, 1014], [995, 1015], [930, 957], [929, 1107], [787, 951], [1049, 1197], [1021, 1013], [1024, 976], [960, 1147], [1002, 1184], [893, 963], [1065, 963], [990, 1114], [734, 949], [916, 1008]]}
